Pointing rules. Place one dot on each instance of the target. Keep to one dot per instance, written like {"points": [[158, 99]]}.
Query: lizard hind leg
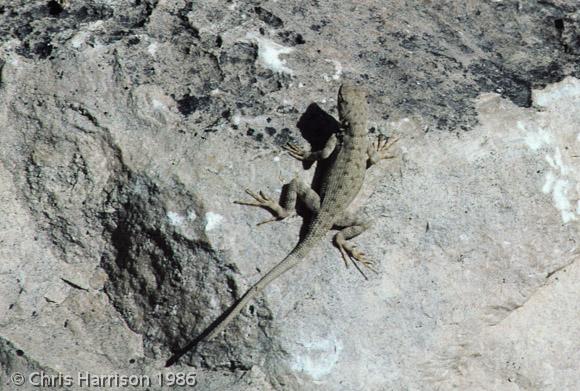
{"points": [[350, 227], [295, 189]]}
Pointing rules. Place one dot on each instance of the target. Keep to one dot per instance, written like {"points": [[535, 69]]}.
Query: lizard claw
{"points": [[382, 144], [295, 151], [268, 221], [264, 201], [351, 253], [261, 199]]}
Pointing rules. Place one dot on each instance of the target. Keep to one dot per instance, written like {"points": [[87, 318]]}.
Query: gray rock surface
{"points": [[127, 128]]}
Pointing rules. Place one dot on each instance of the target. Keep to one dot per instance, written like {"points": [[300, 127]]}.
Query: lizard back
{"points": [[346, 171]]}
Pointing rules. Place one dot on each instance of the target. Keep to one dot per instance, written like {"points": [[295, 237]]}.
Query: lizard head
{"points": [[352, 108]]}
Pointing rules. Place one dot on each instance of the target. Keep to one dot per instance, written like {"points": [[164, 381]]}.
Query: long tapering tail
{"points": [[292, 259]]}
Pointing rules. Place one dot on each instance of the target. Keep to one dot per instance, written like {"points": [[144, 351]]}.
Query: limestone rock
{"points": [[128, 127]]}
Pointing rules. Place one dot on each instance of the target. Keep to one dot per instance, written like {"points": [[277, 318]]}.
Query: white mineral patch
{"points": [[549, 182], [535, 139], [175, 218], [568, 89], [269, 53], [318, 358], [555, 134], [213, 220], [79, 39], [152, 48], [158, 105], [561, 201]]}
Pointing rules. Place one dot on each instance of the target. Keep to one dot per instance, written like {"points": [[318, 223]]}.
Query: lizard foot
{"points": [[350, 252], [383, 144], [264, 201]]}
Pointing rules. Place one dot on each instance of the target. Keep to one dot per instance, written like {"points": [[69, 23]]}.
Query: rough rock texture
{"points": [[127, 128]]}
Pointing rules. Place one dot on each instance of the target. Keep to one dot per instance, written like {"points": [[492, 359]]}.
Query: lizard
{"points": [[348, 153]]}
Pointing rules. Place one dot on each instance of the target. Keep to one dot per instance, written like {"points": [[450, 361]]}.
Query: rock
{"points": [[127, 129]]}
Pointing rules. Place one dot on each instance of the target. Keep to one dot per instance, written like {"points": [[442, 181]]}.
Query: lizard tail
{"points": [[291, 260]]}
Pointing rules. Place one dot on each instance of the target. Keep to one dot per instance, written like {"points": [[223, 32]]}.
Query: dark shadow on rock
{"points": [[316, 127]]}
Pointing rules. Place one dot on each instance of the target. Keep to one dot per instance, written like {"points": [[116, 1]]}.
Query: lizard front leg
{"points": [[379, 149], [300, 154], [295, 189]]}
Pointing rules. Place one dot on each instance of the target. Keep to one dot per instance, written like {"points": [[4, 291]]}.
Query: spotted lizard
{"points": [[348, 153]]}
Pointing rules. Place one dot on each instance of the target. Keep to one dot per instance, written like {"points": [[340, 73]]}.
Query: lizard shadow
{"points": [[316, 126], [192, 346]]}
